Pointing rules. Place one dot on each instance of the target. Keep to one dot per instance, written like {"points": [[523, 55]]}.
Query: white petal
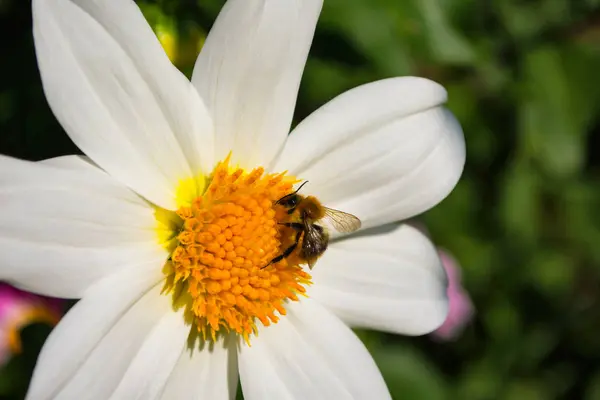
{"points": [[211, 373], [153, 364], [119, 98], [106, 327], [70, 162], [385, 151], [249, 71], [309, 354], [62, 228], [389, 279]]}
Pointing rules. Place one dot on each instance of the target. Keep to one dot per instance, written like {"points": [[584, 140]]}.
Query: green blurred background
{"points": [[524, 80]]}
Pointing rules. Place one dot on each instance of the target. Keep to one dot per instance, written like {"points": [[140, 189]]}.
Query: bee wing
{"points": [[341, 221], [315, 243], [315, 239]]}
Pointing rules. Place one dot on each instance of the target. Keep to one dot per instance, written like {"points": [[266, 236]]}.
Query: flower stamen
{"points": [[224, 240]]}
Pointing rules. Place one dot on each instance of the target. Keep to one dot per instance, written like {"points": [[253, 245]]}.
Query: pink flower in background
{"points": [[19, 309], [461, 308]]}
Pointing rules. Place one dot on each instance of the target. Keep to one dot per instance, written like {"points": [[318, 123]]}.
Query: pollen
{"points": [[222, 244]]}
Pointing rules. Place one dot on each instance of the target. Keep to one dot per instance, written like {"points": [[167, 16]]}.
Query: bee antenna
{"points": [[300, 187]]}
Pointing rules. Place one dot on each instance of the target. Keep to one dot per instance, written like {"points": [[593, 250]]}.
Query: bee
{"points": [[307, 213]]}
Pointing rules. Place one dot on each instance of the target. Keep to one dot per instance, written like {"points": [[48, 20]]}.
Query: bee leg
{"points": [[287, 251]]}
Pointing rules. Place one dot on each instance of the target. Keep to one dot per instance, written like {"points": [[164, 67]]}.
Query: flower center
{"points": [[220, 268]]}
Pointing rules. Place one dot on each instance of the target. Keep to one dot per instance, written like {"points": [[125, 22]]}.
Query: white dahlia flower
{"points": [[167, 230]]}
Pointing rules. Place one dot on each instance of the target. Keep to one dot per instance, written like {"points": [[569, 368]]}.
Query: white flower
{"points": [[88, 229]]}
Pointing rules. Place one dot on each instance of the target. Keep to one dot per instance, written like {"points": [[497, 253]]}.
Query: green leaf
{"points": [[552, 272], [526, 389], [445, 42], [550, 125], [374, 30], [408, 374], [519, 204]]}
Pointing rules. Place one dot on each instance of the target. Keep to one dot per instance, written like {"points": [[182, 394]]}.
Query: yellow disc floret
{"points": [[222, 245]]}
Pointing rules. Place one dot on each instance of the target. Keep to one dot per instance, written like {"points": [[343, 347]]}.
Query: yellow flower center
{"points": [[222, 246]]}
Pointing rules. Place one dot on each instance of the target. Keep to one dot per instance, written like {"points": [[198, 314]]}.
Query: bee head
{"points": [[290, 201]]}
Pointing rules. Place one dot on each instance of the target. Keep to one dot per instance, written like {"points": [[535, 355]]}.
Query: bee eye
{"points": [[289, 202]]}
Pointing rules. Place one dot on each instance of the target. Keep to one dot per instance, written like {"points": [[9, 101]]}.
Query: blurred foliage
{"points": [[522, 78]]}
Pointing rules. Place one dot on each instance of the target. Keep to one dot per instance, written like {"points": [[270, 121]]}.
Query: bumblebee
{"points": [[306, 215]]}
